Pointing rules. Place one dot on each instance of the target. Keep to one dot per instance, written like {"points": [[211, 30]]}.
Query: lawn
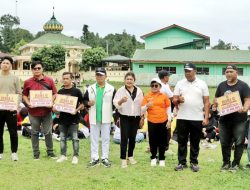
{"points": [[47, 174]]}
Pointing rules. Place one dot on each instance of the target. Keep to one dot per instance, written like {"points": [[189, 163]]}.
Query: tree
{"points": [[92, 58], [226, 46], [40, 33], [15, 50], [53, 57], [6, 32], [23, 34]]}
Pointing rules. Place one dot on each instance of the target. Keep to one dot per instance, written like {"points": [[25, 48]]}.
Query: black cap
{"points": [[189, 66], [8, 58], [100, 71], [231, 66], [163, 73]]}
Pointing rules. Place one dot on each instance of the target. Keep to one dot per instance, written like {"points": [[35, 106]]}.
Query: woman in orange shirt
{"points": [[156, 104]]}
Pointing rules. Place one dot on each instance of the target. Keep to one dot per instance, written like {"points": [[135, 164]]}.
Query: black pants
{"points": [[11, 119], [129, 127], [157, 133], [232, 132], [186, 128]]}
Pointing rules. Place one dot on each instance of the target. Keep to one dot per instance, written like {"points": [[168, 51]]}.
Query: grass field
{"points": [[28, 174]]}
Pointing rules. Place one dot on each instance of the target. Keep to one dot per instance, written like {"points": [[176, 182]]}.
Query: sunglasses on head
{"points": [[37, 68], [154, 85]]}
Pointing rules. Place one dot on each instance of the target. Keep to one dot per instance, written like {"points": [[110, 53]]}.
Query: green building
{"points": [[169, 48]]}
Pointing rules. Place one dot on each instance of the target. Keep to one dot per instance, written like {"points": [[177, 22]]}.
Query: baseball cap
{"points": [[163, 73], [100, 70], [231, 66], [157, 80], [189, 66]]}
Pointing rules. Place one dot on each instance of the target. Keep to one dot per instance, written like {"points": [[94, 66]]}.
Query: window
{"points": [[240, 71], [141, 66], [172, 70], [202, 70]]}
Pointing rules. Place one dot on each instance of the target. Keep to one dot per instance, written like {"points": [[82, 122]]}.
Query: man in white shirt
{"points": [[191, 97], [164, 77]]}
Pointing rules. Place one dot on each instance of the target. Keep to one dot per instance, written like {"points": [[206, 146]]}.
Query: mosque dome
{"points": [[53, 25]]}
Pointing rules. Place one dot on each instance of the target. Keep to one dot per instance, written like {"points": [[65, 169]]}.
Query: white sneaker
{"points": [[74, 160], [162, 163], [153, 162], [14, 156], [1, 156], [132, 161], [124, 163], [61, 159]]}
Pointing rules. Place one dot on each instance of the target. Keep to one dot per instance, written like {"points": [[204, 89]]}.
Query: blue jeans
{"points": [[232, 132], [72, 131]]}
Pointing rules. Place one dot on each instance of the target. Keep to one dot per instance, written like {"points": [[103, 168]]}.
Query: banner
{"points": [[229, 103], [41, 98], [8, 101], [64, 103]]}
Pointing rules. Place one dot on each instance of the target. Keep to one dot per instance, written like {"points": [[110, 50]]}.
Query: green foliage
{"points": [[23, 34], [52, 57], [8, 21], [226, 46], [15, 50], [92, 58], [39, 34]]}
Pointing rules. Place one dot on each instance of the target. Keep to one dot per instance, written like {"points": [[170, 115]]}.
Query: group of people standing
{"points": [[190, 98]]}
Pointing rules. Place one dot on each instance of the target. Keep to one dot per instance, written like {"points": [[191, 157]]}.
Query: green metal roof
{"points": [[58, 39], [116, 58], [53, 25], [196, 56]]}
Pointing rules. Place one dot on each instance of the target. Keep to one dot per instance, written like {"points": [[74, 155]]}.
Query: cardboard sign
{"points": [[229, 103], [41, 98], [64, 103], [8, 101]]}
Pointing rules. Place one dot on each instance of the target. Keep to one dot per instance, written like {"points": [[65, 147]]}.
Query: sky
{"points": [[228, 20]]}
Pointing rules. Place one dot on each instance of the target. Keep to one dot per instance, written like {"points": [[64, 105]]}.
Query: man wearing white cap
{"points": [[191, 96]]}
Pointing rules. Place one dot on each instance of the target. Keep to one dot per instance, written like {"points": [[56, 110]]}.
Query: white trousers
{"points": [[95, 131]]}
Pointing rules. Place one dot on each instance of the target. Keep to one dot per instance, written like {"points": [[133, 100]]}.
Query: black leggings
{"points": [[10, 118]]}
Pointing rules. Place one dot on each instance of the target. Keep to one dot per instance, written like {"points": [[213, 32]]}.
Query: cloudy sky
{"points": [[228, 20]]}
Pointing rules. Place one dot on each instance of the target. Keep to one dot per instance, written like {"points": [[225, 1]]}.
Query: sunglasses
{"points": [[37, 68], [154, 85]]}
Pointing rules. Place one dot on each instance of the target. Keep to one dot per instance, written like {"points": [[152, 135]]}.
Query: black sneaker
{"points": [[248, 166], [36, 157], [194, 167], [234, 168], [225, 167], [106, 163], [180, 167], [93, 163], [52, 156]]}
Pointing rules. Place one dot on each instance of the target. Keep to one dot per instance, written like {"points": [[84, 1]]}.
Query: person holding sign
{"points": [[9, 85], [40, 117], [191, 97], [68, 119], [232, 126], [99, 98]]}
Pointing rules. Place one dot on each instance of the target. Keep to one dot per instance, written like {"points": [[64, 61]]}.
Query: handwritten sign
{"points": [[8, 101], [41, 98], [229, 103], [64, 103]]}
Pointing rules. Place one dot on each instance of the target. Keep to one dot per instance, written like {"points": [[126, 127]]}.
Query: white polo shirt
{"points": [[166, 90], [193, 93]]}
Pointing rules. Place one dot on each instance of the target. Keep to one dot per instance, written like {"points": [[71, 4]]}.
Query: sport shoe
{"points": [[106, 163], [225, 167], [248, 166], [162, 163], [74, 160], [52, 156], [194, 167], [1, 156], [131, 160], [14, 156], [234, 168], [180, 167], [124, 163], [93, 163], [153, 162], [36, 157], [61, 159]]}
